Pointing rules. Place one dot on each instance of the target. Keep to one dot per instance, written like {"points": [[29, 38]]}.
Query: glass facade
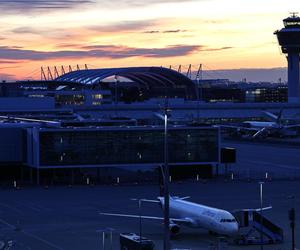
{"points": [[76, 99], [127, 146], [279, 94]]}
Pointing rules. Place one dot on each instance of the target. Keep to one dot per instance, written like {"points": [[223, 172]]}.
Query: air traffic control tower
{"points": [[289, 40]]}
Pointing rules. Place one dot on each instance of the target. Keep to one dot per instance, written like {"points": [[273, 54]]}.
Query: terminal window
{"points": [[107, 147]]}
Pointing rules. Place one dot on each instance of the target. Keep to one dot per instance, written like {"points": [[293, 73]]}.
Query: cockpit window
{"points": [[227, 220]]}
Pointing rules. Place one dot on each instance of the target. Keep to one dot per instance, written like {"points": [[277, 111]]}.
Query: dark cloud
{"points": [[104, 47], [123, 26], [98, 51], [61, 33], [151, 31], [25, 6], [218, 49], [68, 45], [164, 31], [174, 31], [170, 51], [26, 30]]}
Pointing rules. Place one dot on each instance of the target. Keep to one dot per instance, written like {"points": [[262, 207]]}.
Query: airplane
{"points": [[194, 215], [22, 119], [266, 128]]}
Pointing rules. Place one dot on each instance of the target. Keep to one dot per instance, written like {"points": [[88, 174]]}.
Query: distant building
{"points": [[278, 94]]}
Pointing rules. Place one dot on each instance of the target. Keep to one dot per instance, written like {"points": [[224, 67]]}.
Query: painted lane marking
{"points": [[32, 236], [12, 208]]}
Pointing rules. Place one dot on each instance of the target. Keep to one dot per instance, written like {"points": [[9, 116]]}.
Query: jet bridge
{"points": [[253, 225]]}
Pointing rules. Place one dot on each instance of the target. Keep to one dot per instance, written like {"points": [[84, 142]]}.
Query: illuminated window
{"points": [[139, 155], [98, 96], [96, 103], [36, 95]]}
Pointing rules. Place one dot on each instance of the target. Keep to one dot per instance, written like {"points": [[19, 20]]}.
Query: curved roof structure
{"points": [[148, 77]]}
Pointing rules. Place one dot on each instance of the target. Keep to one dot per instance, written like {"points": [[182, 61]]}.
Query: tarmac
{"points": [[64, 217], [259, 160]]}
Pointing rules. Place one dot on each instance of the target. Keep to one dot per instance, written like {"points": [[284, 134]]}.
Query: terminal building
{"points": [[85, 123], [41, 149], [58, 130]]}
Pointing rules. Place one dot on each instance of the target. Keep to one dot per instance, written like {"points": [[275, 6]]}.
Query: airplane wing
{"points": [[146, 200], [259, 132], [254, 209], [184, 198], [180, 198], [146, 217], [238, 127], [292, 126]]}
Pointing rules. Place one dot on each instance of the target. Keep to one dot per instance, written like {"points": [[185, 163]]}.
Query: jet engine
{"points": [[174, 229]]}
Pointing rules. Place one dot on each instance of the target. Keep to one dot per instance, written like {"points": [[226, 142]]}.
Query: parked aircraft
{"points": [[193, 215], [276, 127]]}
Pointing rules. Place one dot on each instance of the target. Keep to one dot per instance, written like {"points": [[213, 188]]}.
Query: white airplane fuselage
{"points": [[199, 216], [258, 124]]}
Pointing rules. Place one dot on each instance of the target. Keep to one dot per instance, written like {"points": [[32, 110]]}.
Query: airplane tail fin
{"points": [[279, 118], [274, 118]]}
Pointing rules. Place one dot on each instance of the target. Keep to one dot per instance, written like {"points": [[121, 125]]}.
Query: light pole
{"points": [[292, 217], [140, 217], [104, 234], [166, 186], [140, 226], [166, 179], [116, 89], [198, 98], [261, 214]]}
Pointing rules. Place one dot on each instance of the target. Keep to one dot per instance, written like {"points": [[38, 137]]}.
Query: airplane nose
{"points": [[235, 229]]}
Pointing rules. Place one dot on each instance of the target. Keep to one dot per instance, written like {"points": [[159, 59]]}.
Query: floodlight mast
{"points": [[166, 184]]}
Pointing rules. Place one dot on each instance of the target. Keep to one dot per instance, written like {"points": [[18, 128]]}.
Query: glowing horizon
{"points": [[231, 35]]}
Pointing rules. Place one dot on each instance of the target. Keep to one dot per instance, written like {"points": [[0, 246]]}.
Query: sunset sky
{"points": [[220, 34]]}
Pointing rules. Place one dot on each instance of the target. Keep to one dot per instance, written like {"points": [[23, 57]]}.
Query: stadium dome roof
{"points": [[147, 76]]}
